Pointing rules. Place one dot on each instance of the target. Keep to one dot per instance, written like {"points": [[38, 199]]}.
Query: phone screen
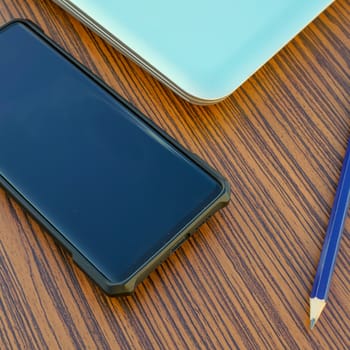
{"points": [[114, 188]]}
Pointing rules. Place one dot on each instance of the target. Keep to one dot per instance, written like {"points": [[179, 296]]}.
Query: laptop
{"points": [[201, 49]]}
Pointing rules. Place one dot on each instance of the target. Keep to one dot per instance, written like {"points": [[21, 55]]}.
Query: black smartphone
{"points": [[109, 185]]}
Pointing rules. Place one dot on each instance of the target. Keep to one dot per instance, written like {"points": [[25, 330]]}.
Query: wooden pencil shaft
{"points": [[334, 232]]}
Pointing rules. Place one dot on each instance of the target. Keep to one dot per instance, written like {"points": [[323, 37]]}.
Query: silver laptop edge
{"points": [[125, 50], [128, 52]]}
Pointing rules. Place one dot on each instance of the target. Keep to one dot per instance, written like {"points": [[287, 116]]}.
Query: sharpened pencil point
{"points": [[316, 308], [312, 323]]}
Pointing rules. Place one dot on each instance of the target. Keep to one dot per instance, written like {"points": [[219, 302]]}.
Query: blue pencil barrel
{"points": [[334, 232]]}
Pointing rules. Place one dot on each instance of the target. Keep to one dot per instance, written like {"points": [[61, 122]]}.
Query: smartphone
{"points": [[101, 178]]}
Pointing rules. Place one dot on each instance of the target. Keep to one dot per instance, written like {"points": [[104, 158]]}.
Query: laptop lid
{"points": [[202, 49]]}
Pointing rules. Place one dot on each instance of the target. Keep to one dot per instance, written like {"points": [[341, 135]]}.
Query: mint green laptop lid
{"points": [[202, 49]]}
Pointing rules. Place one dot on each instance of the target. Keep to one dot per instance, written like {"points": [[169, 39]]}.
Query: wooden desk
{"points": [[243, 281]]}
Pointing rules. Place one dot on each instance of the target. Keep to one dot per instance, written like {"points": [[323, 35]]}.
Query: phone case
{"points": [[127, 286]]}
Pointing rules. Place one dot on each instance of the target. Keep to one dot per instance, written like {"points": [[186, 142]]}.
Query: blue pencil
{"points": [[330, 248]]}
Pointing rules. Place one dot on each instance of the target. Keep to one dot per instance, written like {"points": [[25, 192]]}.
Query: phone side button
{"points": [[179, 243]]}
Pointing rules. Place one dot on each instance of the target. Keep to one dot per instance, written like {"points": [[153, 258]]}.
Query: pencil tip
{"points": [[316, 307], [312, 323]]}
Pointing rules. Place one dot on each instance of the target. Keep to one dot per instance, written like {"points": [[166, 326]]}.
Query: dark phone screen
{"points": [[109, 183]]}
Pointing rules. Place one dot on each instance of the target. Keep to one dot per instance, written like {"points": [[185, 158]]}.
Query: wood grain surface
{"points": [[243, 281]]}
